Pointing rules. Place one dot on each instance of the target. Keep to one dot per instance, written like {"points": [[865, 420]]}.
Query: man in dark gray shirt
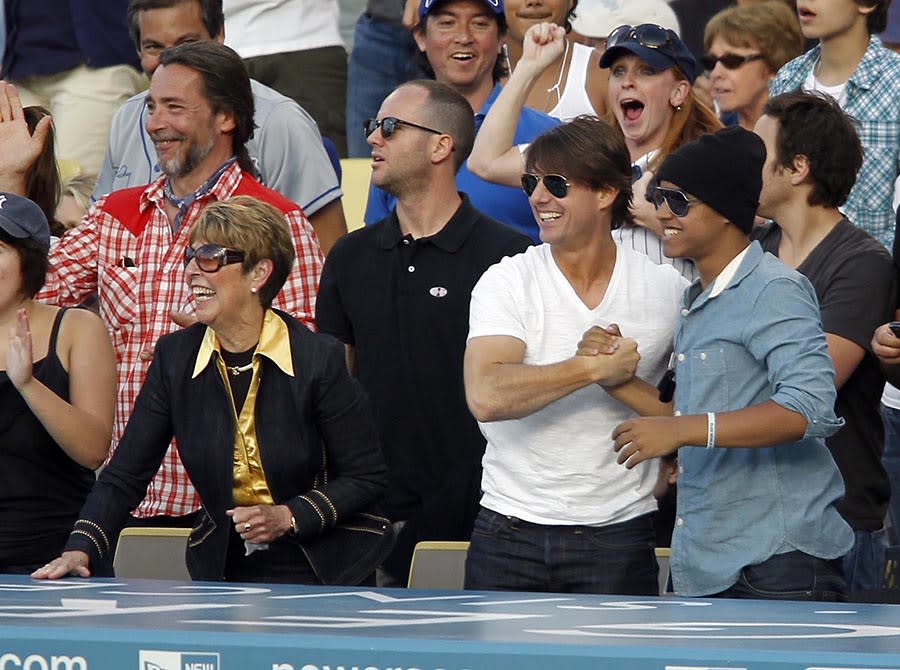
{"points": [[813, 157]]}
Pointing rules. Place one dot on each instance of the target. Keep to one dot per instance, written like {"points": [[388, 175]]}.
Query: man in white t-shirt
{"points": [[557, 513]]}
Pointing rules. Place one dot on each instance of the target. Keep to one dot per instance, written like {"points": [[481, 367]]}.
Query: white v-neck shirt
{"points": [[556, 466]]}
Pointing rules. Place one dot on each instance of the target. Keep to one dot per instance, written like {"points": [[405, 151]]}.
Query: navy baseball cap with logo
{"points": [[426, 6], [658, 47], [21, 218]]}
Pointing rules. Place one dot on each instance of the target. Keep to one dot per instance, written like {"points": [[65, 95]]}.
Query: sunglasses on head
{"points": [[492, 3], [556, 184], [730, 61], [678, 202], [389, 124], [647, 34], [212, 257]]}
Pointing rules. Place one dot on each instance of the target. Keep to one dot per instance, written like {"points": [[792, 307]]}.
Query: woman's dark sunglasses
{"points": [[678, 202], [646, 34], [212, 257], [389, 124], [556, 184], [730, 61]]}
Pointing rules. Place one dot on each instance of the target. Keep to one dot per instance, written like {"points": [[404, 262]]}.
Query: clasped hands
{"points": [[613, 358], [637, 439]]}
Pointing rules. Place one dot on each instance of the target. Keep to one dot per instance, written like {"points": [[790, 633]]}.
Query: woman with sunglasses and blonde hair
{"points": [[651, 101], [275, 435], [745, 46]]}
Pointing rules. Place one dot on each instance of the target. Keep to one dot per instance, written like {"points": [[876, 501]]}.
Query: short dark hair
{"points": [[876, 20], [814, 125], [500, 69], [210, 11], [33, 261], [226, 85], [449, 112], [589, 151]]}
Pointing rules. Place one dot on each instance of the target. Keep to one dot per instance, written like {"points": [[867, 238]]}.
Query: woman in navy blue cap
{"points": [[651, 93], [652, 100], [57, 391]]}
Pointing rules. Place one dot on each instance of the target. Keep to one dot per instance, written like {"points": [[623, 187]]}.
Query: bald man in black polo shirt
{"points": [[397, 294]]}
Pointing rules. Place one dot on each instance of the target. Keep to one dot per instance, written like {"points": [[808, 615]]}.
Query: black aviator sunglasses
{"points": [[212, 257], [556, 184], [678, 202], [647, 34]]}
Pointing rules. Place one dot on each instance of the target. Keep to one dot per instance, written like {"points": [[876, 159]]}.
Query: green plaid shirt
{"points": [[873, 99]]}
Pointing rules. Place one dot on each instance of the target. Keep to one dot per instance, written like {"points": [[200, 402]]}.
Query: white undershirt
{"points": [[838, 92]]}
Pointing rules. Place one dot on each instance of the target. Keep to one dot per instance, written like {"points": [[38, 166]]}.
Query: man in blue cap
{"points": [[461, 43]]}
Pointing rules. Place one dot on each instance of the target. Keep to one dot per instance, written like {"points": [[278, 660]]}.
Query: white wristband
{"points": [[710, 430]]}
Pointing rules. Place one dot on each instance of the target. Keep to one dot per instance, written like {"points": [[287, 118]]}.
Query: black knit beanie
{"points": [[723, 169]]}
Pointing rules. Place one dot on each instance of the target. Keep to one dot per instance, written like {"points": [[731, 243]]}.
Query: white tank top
{"points": [[574, 100]]}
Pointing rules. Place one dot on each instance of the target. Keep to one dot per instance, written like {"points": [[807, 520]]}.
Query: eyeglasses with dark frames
{"points": [[648, 35], [556, 184], [212, 257], [389, 125], [730, 61], [678, 202]]}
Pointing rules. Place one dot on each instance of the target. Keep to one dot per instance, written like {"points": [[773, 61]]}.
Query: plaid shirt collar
{"points": [[222, 189], [865, 76]]}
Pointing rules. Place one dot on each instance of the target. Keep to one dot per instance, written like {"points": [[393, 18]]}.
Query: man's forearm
{"points": [[515, 390]]}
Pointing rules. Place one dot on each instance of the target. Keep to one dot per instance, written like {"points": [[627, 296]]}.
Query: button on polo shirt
{"points": [[403, 304]]}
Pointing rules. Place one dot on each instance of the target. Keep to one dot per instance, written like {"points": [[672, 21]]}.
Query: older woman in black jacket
{"points": [[277, 438]]}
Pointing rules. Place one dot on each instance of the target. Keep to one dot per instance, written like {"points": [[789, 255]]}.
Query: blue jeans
{"points": [[864, 564], [891, 461], [383, 57], [790, 576], [508, 554]]}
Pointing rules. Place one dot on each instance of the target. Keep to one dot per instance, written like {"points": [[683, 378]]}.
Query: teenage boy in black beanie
{"points": [[753, 397]]}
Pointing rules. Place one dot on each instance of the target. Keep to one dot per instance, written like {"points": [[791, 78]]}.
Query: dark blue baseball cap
{"points": [[21, 218], [426, 6], [658, 47]]}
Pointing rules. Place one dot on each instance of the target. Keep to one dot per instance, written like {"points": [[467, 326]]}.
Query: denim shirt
{"points": [[760, 339]]}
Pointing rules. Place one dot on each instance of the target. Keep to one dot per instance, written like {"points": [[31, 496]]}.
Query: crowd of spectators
{"points": [[624, 280]]}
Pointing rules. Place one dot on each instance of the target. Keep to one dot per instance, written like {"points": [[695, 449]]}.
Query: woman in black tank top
{"points": [[57, 394]]}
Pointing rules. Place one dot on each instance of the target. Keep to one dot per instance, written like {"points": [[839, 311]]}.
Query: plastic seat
{"points": [[663, 554], [152, 553], [438, 565], [357, 173]]}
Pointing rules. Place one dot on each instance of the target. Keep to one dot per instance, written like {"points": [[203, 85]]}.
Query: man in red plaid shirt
{"points": [[130, 246]]}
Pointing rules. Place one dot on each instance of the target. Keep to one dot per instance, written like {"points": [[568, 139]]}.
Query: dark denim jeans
{"points": [[508, 554], [891, 461], [864, 564], [383, 57], [790, 576]]}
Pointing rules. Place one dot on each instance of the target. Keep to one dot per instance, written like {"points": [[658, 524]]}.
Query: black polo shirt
{"points": [[403, 303]]}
